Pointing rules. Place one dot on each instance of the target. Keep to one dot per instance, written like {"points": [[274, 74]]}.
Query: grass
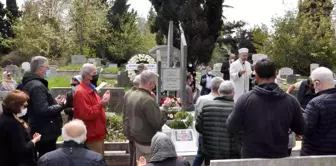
{"points": [[70, 67], [64, 81], [110, 70]]}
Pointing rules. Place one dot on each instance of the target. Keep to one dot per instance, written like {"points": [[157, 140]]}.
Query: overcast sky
{"points": [[254, 12]]}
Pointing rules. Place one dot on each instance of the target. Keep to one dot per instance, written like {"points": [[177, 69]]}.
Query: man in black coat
{"points": [[217, 143], [44, 112], [266, 114], [226, 67], [75, 81], [206, 81], [73, 152], [320, 136]]}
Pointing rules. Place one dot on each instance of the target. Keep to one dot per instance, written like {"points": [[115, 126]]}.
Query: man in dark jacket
{"points": [[226, 67], [206, 81], [75, 81], [266, 114], [73, 152], [217, 142], [320, 136], [44, 112]]}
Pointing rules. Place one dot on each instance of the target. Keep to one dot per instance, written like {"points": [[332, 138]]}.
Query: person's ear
{"points": [[276, 73]]}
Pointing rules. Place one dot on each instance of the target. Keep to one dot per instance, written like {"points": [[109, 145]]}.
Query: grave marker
{"points": [[285, 71], [170, 79], [217, 70], [25, 66], [164, 54], [78, 59], [313, 66], [258, 57], [291, 79]]}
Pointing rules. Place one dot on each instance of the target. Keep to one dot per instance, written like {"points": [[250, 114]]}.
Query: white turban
{"points": [[243, 51]]}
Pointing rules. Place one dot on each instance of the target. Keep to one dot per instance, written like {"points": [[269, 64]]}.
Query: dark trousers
{"points": [[289, 152], [131, 147], [45, 147], [205, 91], [199, 158]]}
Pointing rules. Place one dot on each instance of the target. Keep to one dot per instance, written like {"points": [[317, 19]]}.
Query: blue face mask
{"points": [[47, 74]]}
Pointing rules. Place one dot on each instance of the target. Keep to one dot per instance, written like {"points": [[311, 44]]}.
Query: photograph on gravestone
{"points": [[184, 140]]}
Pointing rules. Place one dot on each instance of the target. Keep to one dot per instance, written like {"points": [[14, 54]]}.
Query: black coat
{"points": [[217, 142], [44, 114], [72, 154], [16, 148], [69, 105], [170, 162], [266, 114], [226, 70], [204, 90], [320, 136]]}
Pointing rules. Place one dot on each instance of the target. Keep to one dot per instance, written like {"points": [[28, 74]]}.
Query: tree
{"points": [[5, 29], [260, 38]]}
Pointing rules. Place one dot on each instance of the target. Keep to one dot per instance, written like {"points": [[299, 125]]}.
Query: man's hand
{"points": [[58, 99], [36, 138], [142, 161], [290, 88], [241, 72], [167, 103], [106, 98]]}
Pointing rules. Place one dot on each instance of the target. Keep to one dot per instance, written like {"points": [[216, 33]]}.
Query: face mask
{"points": [[209, 73], [47, 74], [95, 80], [190, 65], [23, 113], [73, 88]]}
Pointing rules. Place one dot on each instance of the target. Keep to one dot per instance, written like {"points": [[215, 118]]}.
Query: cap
{"points": [[243, 51]]}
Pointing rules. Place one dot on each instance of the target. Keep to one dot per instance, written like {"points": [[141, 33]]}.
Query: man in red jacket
{"points": [[89, 107]]}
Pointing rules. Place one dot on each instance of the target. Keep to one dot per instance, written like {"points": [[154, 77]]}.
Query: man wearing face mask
{"points": [[320, 136], [75, 81], [206, 81], [89, 107], [240, 73], [146, 118], [44, 112]]}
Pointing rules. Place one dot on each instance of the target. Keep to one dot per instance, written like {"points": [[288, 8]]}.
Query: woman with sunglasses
{"points": [[16, 144]]}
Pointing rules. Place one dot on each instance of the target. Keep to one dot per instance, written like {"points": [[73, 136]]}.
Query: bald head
{"points": [[74, 131]]}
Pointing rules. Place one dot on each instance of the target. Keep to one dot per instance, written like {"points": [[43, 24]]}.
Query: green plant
{"points": [[114, 129], [110, 71], [70, 67], [59, 81], [182, 120]]}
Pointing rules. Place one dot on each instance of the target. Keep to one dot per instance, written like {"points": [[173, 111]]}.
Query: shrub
{"points": [[110, 71], [182, 120], [115, 129]]}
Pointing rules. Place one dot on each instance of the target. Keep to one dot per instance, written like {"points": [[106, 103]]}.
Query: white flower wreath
{"points": [[137, 59]]}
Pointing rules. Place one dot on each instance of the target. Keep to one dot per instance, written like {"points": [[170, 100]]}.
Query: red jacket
{"points": [[88, 109]]}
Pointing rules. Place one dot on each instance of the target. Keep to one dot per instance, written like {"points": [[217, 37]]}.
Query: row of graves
{"points": [[170, 63]]}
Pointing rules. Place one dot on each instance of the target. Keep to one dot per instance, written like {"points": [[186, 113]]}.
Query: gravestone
{"points": [[291, 79], [123, 79], [285, 71], [258, 57], [313, 66], [184, 140], [53, 71], [25, 66], [113, 65], [164, 54], [78, 59], [95, 61], [14, 70], [217, 70], [170, 79]]}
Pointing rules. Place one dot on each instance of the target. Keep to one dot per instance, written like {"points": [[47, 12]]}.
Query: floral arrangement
{"points": [[137, 59], [174, 101], [181, 120]]}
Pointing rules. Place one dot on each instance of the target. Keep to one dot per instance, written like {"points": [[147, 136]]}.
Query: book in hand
{"points": [[101, 85]]}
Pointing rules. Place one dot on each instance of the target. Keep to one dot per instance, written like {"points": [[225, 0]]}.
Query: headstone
{"points": [[53, 71], [291, 79], [95, 61], [313, 66], [113, 65], [217, 70], [14, 70], [170, 79], [258, 57], [184, 140], [78, 59], [123, 79], [164, 54], [25, 66], [285, 71]]}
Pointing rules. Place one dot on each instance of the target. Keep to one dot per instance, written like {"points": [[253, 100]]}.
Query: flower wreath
{"points": [[137, 59], [175, 102]]}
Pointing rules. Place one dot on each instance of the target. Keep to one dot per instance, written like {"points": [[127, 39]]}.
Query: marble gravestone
{"points": [[285, 71], [78, 59], [217, 70], [53, 71], [291, 79], [14, 70], [313, 66], [258, 57], [95, 61]]}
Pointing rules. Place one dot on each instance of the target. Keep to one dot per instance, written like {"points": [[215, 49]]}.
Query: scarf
{"points": [[162, 148]]}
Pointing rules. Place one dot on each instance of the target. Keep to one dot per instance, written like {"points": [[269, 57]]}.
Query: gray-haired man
{"points": [[44, 112]]}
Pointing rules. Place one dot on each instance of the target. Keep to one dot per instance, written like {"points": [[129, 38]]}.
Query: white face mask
{"points": [[209, 73], [23, 113]]}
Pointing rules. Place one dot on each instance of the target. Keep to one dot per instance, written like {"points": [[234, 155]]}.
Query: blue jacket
{"points": [[320, 115]]}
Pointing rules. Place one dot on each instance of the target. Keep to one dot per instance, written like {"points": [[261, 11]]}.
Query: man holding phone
{"points": [[240, 73]]}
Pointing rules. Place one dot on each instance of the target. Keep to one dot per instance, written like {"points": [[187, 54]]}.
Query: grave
{"points": [[291, 79], [95, 61], [285, 71], [78, 59], [25, 66], [113, 65], [313, 66], [171, 79], [217, 70], [123, 79], [164, 54], [258, 57], [14, 70], [53, 71]]}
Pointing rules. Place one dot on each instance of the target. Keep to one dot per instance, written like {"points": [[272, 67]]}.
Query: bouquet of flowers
{"points": [[173, 108], [174, 101]]}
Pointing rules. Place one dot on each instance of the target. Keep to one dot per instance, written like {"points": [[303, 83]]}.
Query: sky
{"points": [[254, 12]]}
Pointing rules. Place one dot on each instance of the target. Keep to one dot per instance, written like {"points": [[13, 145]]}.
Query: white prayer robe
{"points": [[242, 83]]}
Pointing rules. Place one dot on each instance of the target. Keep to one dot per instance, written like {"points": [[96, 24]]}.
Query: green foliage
{"points": [[260, 38], [182, 120], [70, 67], [114, 129], [110, 71], [59, 81]]}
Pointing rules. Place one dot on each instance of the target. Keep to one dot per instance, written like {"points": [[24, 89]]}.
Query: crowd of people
{"points": [[232, 121]]}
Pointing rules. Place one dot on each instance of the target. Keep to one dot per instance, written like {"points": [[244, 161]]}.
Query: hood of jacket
{"points": [[270, 90], [29, 76]]}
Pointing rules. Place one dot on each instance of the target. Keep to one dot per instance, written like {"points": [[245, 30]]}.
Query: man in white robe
{"points": [[240, 73]]}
